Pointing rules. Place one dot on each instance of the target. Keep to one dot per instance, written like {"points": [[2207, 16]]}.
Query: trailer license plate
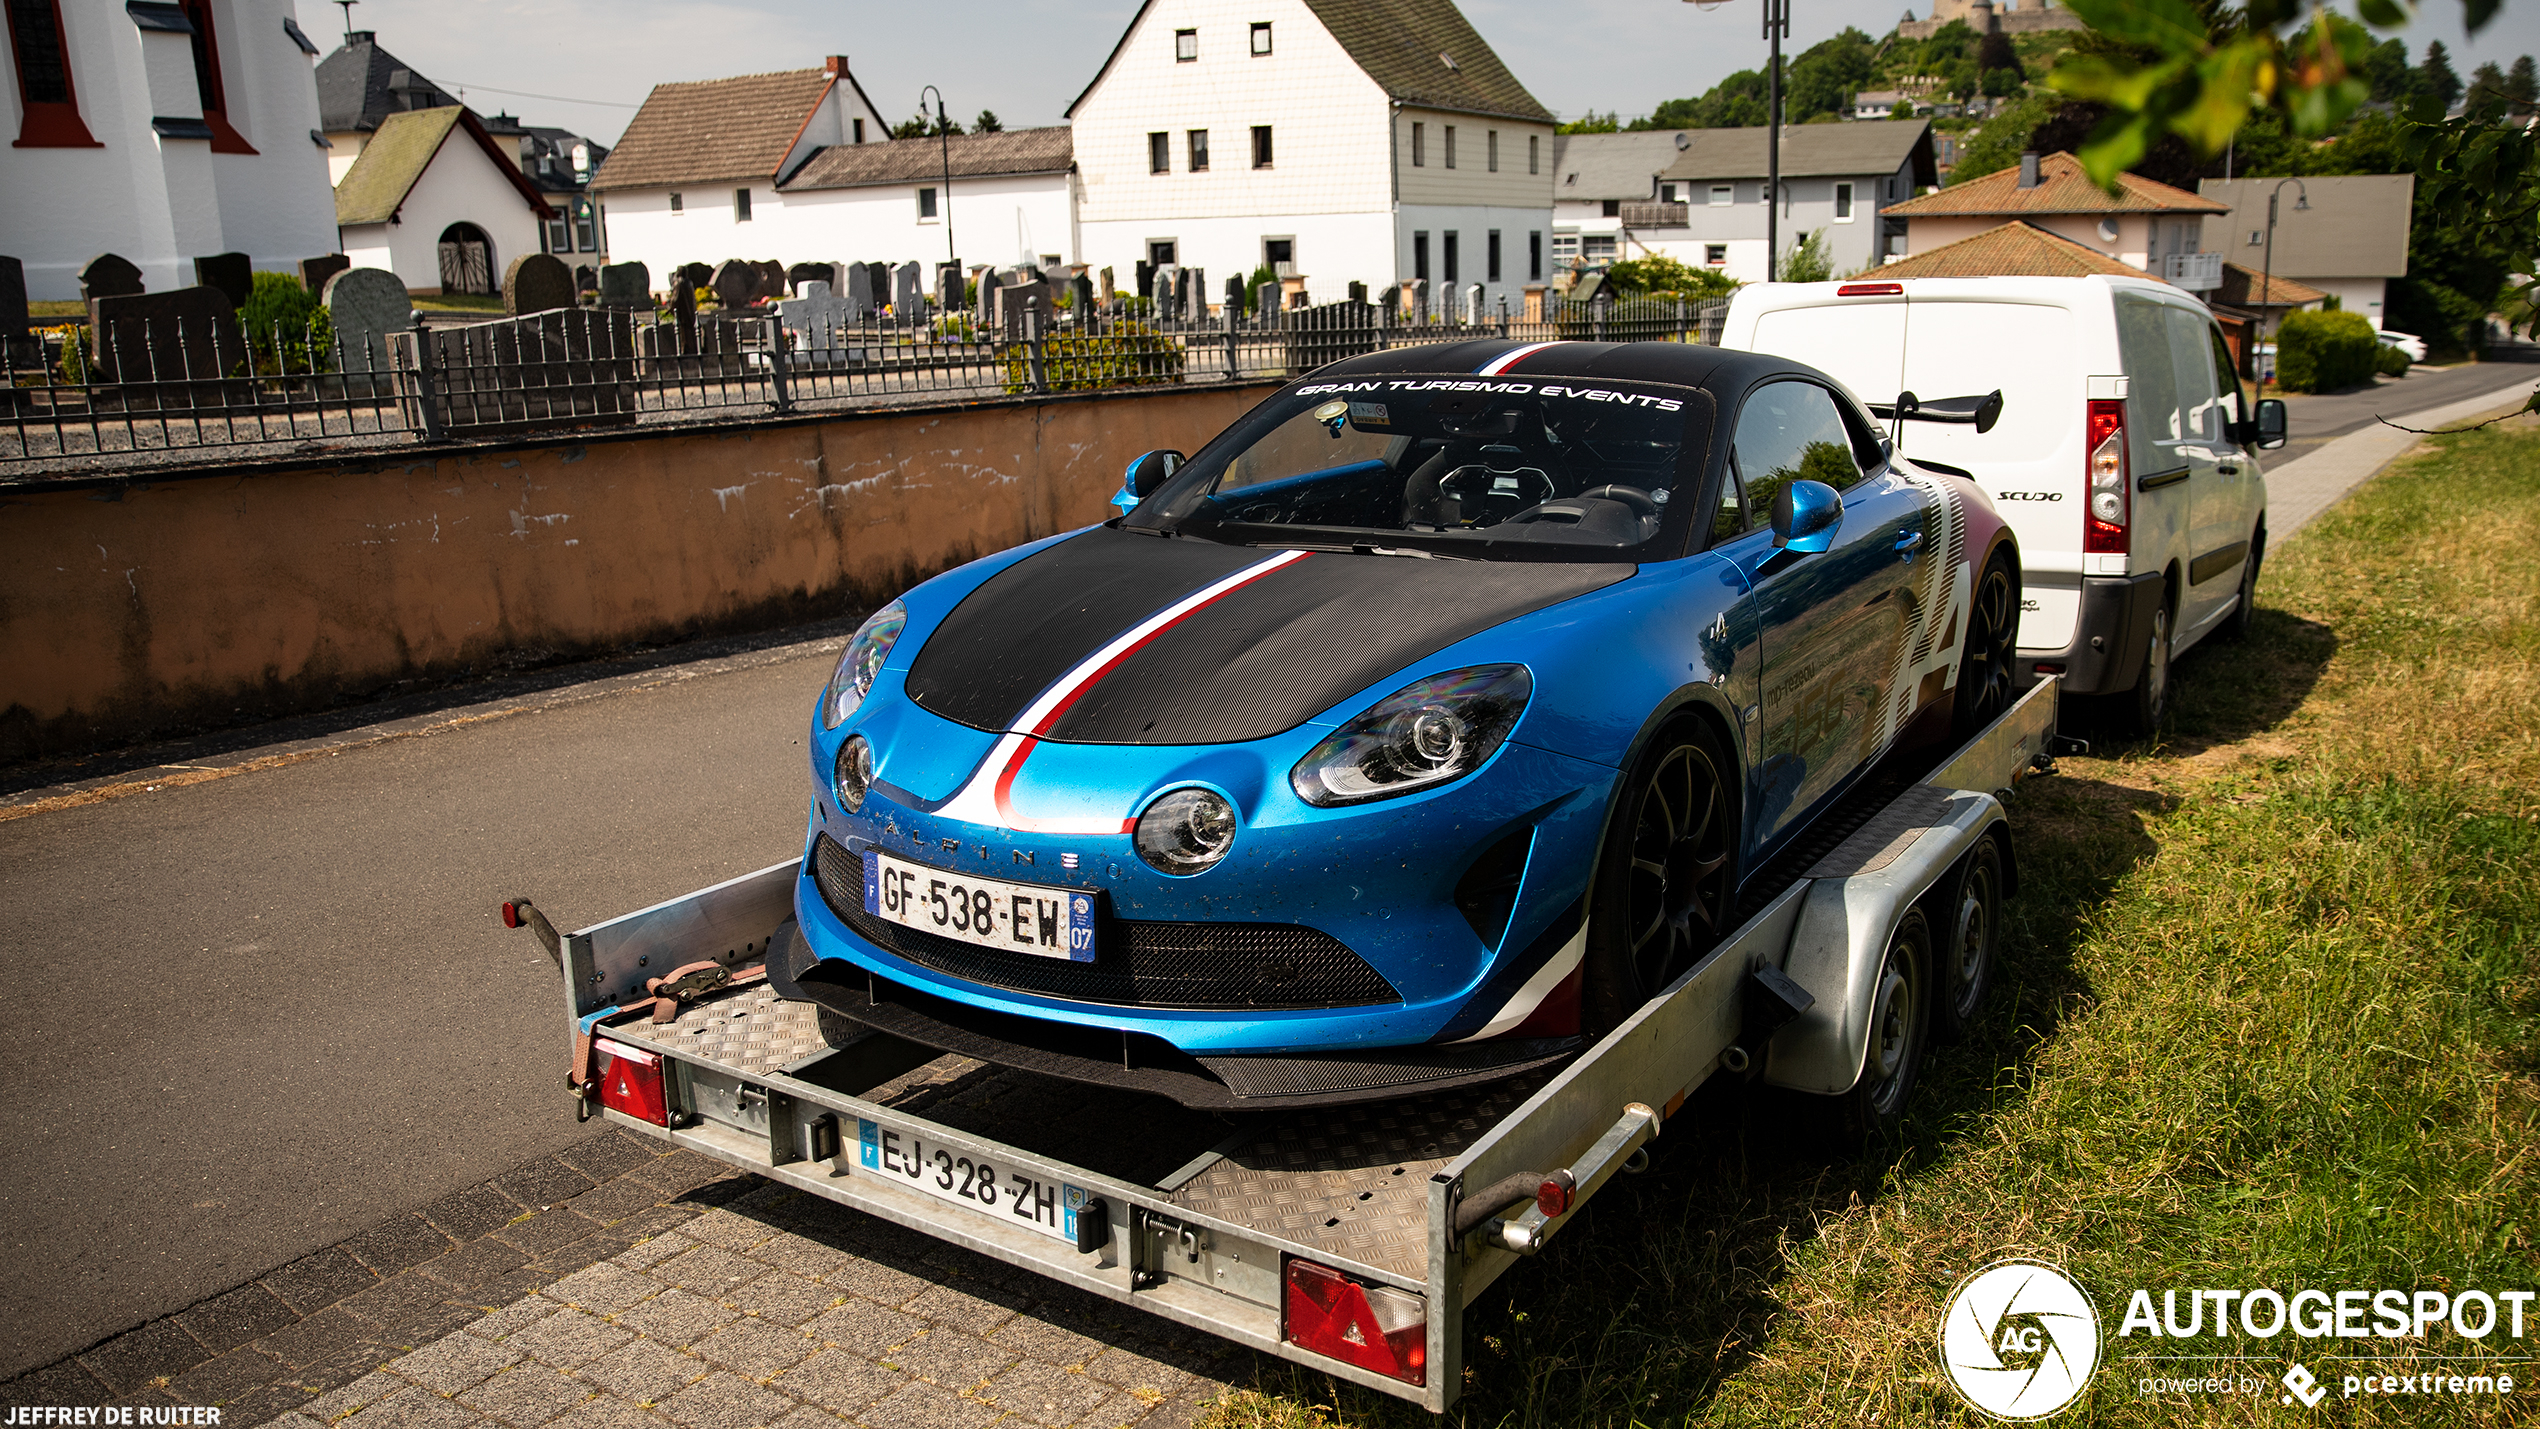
{"points": [[1013, 917], [965, 1180]]}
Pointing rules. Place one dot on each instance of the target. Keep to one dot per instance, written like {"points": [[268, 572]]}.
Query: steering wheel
{"points": [[1523, 475], [1631, 496]]}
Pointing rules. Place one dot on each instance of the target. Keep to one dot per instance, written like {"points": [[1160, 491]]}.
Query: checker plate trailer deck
{"points": [[1350, 1239]]}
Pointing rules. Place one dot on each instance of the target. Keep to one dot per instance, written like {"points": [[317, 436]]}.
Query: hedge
{"points": [[2319, 352]]}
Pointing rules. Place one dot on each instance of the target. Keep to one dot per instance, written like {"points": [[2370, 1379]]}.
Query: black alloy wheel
{"points": [[1899, 1031], [1970, 929], [1985, 667], [1667, 883], [2235, 626]]}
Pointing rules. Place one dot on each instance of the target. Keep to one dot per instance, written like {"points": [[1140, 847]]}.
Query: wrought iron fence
{"points": [[148, 389]]}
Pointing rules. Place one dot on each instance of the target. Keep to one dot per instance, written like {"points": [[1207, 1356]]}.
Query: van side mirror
{"points": [[2270, 423], [1144, 477], [1805, 515]]}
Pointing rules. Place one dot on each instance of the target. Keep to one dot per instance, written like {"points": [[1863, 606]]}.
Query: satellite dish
{"points": [[1684, 141], [2107, 230]]}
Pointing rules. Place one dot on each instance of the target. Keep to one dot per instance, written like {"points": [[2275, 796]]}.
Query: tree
{"points": [[1591, 123], [924, 127], [2435, 76], [1999, 144], [987, 123], [1808, 260], [2522, 83], [2386, 71]]}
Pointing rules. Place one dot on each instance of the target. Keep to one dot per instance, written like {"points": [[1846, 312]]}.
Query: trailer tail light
{"points": [[2108, 512], [1374, 1327], [630, 1082], [511, 915], [1870, 290]]}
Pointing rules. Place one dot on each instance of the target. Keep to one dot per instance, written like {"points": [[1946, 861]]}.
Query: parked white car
{"points": [[2124, 454], [2407, 342]]}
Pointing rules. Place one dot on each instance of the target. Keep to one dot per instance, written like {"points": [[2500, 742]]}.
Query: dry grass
{"points": [[2268, 1019]]}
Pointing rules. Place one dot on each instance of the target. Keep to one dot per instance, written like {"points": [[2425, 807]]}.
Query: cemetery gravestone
{"points": [[683, 309], [365, 305], [1146, 279], [626, 285], [878, 277], [586, 279], [231, 273], [698, 275], [771, 279], [908, 294], [1168, 292], [860, 300], [738, 284], [802, 273], [536, 283], [1014, 300], [948, 286], [819, 317], [12, 298], [315, 271], [987, 294], [109, 275], [1082, 296], [176, 345], [1357, 292], [1473, 304]]}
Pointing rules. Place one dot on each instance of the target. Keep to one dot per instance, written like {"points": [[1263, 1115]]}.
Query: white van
{"points": [[2123, 455]]}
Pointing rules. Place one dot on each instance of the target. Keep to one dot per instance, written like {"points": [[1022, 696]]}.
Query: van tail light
{"points": [[2110, 508], [1374, 1327], [1870, 290], [630, 1082]]}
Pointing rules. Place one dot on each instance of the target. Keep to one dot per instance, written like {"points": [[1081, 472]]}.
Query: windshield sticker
{"points": [[1513, 389], [1368, 414]]}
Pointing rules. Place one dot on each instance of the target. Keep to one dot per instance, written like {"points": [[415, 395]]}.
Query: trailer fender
{"points": [[1859, 893]]}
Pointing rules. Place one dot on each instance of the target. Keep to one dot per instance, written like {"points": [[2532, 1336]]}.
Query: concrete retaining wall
{"points": [[213, 597]]}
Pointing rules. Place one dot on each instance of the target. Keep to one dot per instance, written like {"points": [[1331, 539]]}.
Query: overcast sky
{"points": [[1028, 59]]}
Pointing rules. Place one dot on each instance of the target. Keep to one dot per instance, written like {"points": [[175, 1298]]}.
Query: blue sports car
{"points": [[1410, 734]]}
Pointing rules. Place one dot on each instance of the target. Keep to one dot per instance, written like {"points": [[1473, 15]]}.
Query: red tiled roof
{"points": [[2014, 250], [2062, 187]]}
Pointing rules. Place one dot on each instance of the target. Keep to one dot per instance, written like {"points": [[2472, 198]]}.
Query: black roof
{"points": [[354, 86], [1683, 364]]}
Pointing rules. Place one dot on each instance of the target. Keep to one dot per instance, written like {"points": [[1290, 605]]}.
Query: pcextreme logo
{"points": [[2019, 1339]]}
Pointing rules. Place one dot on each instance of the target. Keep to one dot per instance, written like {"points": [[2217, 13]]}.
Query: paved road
{"points": [[257, 1015], [2316, 420], [254, 1016]]}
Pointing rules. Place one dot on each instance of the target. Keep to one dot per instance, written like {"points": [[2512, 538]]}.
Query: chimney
{"points": [[360, 37], [834, 65], [2028, 169]]}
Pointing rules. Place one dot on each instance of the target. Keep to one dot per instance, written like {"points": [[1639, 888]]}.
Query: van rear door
{"points": [[1858, 341]]}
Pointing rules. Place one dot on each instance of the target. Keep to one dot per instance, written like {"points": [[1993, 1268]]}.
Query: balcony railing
{"points": [[2196, 272], [1651, 214]]}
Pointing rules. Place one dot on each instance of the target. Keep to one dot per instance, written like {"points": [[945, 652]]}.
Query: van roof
{"points": [[2007, 289]]}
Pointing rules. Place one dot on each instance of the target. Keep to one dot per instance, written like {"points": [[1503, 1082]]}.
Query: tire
{"points": [[2147, 705], [1900, 1032], [1985, 666], [2235, 626], [1666, 880], [1970, 931]]}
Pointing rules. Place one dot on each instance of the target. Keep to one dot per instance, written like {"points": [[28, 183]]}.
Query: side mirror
{"points": [[1805, 515], [2270, 423], [1144, 476]]}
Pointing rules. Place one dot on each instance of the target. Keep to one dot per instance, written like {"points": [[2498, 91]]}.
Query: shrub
{"points": [[2390, 361], [1659, 276], [1808, 261], [1128, 354], [286, 327], [2319, 352]]}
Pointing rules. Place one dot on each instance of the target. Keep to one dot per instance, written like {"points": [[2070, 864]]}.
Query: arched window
{"points": [[51, 106], [467, 260], [207, 81]]}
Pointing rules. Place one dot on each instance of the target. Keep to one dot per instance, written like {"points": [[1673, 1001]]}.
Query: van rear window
{"points": [[1967, 349]]}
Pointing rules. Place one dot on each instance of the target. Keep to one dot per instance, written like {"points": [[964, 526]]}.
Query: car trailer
{"points": [[1350, 1239]]}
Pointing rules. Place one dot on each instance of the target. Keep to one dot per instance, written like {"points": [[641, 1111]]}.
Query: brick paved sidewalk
{"points": [[613, 1285]]}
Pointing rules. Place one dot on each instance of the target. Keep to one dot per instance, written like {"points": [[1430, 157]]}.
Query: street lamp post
{"points": [[2266, 282], [1776, 30], [943, 135]]}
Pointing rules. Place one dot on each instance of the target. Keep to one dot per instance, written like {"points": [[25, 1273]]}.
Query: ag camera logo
{"points": [[2019, 1339]]}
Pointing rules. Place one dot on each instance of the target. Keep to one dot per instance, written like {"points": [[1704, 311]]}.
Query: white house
{"points": [[161, 131], [2349, 243], [1336, 140], [1011, 200], [698, 175], [433, 199], [1593, 177]]}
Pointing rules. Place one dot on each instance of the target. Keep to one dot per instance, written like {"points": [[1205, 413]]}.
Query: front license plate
{"points": [[949, 1175], [1014, 917]]}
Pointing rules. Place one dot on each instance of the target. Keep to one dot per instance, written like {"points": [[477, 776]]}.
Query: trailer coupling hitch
{"points": [[1768, 1001], [520, 913], [1554, 1193]]}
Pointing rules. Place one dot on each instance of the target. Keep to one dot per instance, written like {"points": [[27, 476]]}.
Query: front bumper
{"points": [[1306, 893]]}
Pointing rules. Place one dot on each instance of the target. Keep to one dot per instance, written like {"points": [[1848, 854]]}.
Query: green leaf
{"points": [[2171, 26], [2476, 13], [2386, 14], [2117, 145]]}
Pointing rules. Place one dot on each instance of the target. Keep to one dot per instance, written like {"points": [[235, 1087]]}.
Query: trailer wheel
{"points": [[1970, 927], [1666, 880], [1900, 1028]]}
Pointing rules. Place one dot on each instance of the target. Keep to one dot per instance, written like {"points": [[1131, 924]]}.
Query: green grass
{"points": [[2268, 1019]]}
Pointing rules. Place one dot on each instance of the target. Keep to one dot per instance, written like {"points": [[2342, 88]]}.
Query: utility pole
{"points": [[1776, 30], [943, 135], [2266, 287]]}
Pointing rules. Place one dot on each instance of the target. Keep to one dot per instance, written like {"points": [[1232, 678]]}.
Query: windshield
{"points": [[1567, 470]]}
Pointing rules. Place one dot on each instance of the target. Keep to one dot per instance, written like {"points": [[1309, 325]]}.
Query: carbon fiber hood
{"points": [[1263, 657]]}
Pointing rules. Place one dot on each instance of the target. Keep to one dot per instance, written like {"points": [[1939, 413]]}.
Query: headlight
{"points": [[862, 662], [854, 772], [1426, 733], [1186, 831]]}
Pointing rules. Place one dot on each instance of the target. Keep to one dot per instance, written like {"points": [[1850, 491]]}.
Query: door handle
{"points": [[2228, 469], [1907, 545]]}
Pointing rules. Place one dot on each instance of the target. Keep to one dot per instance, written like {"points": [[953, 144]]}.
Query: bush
{"points": [[286, 327], [2320, 352], [1808, 261], [1659, 276], [1128, 354], [2390, 361]]}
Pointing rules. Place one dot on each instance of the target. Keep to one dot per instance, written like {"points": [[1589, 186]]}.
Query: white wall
{"points": [[2358, 295], [1329, 168], [993, 220], [1472, 227], [462, 184], [164, 202]]}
